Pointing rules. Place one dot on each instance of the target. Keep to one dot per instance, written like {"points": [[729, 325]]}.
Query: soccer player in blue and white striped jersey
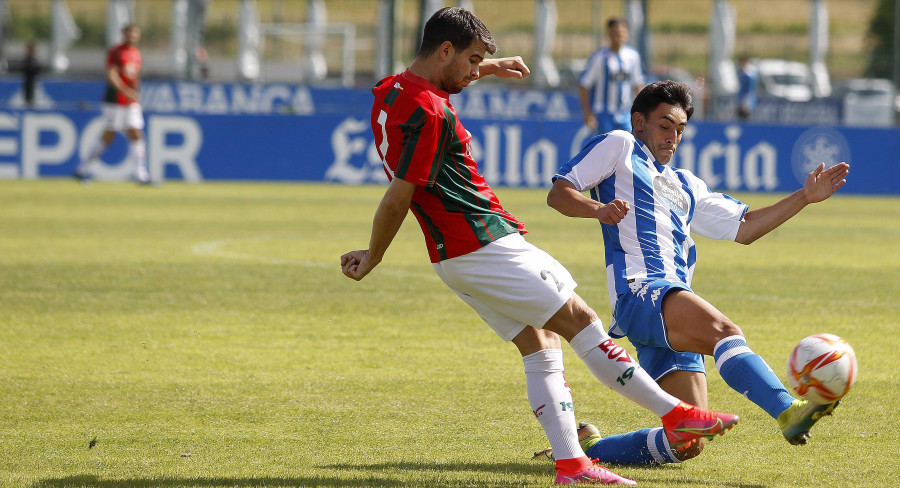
{"points": [[610, 81], [648, 211]]}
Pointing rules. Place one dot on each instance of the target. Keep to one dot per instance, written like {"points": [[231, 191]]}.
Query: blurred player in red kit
{"points": [[121, 107]]}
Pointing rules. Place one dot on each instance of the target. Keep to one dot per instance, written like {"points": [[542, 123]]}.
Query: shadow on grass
{"points": [[359, 478], [353, 479], [86, 481], [523, 469]]}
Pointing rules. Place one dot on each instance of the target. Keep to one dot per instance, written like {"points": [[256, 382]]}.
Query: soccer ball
{"points": [[822, 368]]}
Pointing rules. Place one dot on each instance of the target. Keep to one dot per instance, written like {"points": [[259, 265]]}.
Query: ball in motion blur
{"points": [[822, 368]]}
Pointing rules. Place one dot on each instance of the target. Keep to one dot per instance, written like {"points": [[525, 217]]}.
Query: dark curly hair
{"points": [[671, 92], [457, 25]]}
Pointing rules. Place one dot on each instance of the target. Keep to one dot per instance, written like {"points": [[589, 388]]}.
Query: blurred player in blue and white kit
{"points": [[648, 211], [610, 81]]}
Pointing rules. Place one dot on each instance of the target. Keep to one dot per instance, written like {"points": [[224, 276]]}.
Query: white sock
{"points": [[95, 152], [615, 368], [551, 401], [137, 155]]}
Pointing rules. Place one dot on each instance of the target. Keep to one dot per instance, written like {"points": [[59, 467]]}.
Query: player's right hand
{"points": [[613, 212], [355, 264]]}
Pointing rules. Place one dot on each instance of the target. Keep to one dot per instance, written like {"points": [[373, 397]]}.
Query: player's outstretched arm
{"points": [[388, 219], [567, 200], [512, 67], [820, 184]]}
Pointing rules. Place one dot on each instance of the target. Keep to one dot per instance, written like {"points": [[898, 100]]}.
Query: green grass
{"points": [[204, 336]]}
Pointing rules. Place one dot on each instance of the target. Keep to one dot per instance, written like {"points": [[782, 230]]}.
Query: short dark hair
{"points": [[457, 25], [614, 21], [668, 91]]}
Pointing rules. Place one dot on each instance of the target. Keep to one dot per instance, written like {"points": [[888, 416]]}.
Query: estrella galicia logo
{"points": [[673, 195], [815, 146]]}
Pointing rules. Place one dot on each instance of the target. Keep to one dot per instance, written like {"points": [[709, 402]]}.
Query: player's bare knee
{"points": [[571, 318], [582, 313], [728, 328], [532, 340]]}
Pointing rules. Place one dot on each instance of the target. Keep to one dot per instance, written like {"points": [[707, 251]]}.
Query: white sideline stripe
{"points": [[217, 249]]}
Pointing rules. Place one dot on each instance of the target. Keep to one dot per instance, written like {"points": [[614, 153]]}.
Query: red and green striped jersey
{"points": [[127, 61], [421, 140]]}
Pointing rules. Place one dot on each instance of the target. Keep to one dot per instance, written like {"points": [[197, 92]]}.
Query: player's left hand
{"points": [[821, 183], [512, 67]]}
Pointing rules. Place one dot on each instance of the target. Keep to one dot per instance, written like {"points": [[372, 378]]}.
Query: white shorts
{"points": [[510, 283], [121, 117]]}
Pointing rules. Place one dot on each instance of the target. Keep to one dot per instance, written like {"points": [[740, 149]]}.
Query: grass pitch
{"points": [[203, 336]]}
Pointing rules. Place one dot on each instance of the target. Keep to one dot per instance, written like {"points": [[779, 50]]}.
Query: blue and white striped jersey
{"points": [[612, 77], [654, 240]]}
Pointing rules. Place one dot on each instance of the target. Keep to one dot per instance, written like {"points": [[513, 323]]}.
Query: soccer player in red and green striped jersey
{"points": [[477, 247], [422, 141]]}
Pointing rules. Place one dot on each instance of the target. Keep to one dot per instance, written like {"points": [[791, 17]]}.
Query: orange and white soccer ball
{"points": [[822, 368]]}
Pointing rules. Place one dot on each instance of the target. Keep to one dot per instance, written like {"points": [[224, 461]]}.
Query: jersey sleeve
{"points": [[637, 75], [418, 138], [716, 215], [591, 72], [597, 161]]}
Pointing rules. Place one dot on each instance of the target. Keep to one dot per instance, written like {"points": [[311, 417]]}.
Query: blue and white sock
{"points": [[748, 374], [645, 446]]}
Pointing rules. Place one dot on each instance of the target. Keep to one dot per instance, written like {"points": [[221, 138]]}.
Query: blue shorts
{"points": [[607, 122], [638, 316]]}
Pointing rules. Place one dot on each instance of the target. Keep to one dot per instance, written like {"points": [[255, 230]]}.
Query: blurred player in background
{"points": [[477, 248], [31, 68], [747, 79], [121, 107], [647, 211], [610, 81]]}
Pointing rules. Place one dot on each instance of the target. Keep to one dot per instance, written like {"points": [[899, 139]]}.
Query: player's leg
{"points": [[690, 387], [510, 284], [610, 363], [651, 446], [113, 121], [694, 324], [548, 392], [84, 170], [680, 374], [615, 368], [137, 148], [137, 155], [552, 405]]}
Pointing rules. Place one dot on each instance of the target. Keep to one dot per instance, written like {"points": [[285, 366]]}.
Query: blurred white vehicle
{"points": [[781, 78], [867, 101]]}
